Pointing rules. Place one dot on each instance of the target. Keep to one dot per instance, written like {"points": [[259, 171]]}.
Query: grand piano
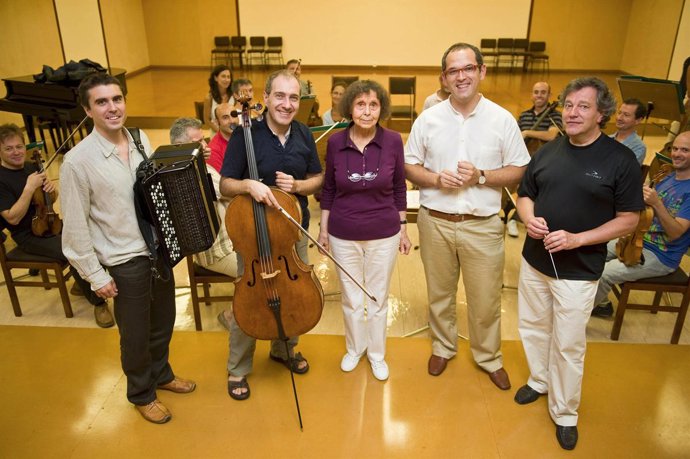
{"points": [[49, 101]]}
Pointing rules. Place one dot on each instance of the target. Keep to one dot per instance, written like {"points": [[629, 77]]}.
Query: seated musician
{"points": [[220, 91], [18, 182], [241, 87], [535, 134], [332, 115], [294, 66], [630, 114], [219, 142], [549, 126], [101, 238], [220, 257], [666, 240], [438, 96], [286, 157]]}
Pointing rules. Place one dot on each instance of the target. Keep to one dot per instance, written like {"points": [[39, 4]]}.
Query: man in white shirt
{"points": [[461, 153]]}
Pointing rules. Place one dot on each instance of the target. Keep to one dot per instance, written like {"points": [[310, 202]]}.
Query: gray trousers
{"points": [[242, 346], [615, 272]]}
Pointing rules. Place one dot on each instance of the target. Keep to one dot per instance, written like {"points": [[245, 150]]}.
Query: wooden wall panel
{"points": [[30, 39], [384, 32], [180, 32], [682, 48], [651, 34], [582, 34], [82, 34], [125, 34]]}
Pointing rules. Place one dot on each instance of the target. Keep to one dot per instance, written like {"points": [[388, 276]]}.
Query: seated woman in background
{"points": [[219, 92], [333, 115], [363, 208]]}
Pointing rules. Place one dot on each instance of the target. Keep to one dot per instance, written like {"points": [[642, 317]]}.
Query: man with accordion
{"points": [[102, 240]]}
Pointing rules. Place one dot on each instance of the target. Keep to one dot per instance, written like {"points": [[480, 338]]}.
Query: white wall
{"points": [[383, 32]]}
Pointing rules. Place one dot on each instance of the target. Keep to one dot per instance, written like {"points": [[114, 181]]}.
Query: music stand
{"points": [[306, 103], [663, 97]]}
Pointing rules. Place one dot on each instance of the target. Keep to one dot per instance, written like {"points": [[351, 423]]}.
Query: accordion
{"points": [[176, 196]]}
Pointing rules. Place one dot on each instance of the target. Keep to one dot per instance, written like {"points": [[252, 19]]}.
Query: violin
{"points": [[535, 144], [629, 247], [314, 118], [278, 295], [46, 221]]}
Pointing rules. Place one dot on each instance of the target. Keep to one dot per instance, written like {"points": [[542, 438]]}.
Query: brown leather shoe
{"points": [[437, 365], [104, 318], [155, 412], [500, 379], [179, 386]]}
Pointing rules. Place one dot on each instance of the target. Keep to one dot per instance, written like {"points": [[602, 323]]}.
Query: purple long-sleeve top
{"points": [[364, 191]]}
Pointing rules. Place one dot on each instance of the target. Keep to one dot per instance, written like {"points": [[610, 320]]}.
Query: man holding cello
{"points": [[287, 159], [666, 240], [19, 183]]}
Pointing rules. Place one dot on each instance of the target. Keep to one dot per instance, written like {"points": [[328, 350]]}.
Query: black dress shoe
{"points": [[603, 310], [526, 395], [567, 436]]}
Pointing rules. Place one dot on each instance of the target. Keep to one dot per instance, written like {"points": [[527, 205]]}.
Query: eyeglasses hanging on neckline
{"points": [[366, 176]]}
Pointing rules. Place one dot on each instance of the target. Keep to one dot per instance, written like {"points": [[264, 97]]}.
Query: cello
{"points": [[278, 295], [46, 222], [629, 247]]}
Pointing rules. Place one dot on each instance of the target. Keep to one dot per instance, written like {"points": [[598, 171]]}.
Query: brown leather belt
{"points": [[453, 217]]}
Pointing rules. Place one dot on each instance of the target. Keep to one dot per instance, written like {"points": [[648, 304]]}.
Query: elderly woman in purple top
{"points": [[363, 218]]}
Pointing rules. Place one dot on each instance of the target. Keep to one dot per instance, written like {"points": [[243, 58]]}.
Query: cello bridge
{"points": [[265, 276]]}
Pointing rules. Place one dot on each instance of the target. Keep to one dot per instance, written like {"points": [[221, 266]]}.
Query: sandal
{"points": [[292, 362], [242, 384]]}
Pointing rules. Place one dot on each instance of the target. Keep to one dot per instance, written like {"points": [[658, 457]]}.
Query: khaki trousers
{"points": [[476, 247], [552, 321]]}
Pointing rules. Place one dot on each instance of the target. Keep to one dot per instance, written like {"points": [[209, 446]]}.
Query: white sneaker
{"points": [[512, 228], [349, 363], [380, 369]]}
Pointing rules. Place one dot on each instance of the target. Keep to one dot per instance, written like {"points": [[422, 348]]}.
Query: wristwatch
{"points": [[482, 177]]}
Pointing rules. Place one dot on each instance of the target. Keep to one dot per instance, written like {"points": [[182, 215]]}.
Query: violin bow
{"points": [[329, 130], [323, 250], [69, 137]]}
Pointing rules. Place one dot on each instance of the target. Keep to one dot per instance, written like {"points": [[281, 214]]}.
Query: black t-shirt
{"points": [[297, 158], [12, 184], [577, 189]]}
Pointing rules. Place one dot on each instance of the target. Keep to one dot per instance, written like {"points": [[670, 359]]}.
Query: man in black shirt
{"points": [[286, 158], [18, 182], [579, 192]]}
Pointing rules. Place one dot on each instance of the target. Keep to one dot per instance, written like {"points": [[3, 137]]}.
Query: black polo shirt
{"points": [[298, 157]]}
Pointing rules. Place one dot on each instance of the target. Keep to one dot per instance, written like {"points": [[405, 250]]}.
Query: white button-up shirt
{"points": [[489, 138]]}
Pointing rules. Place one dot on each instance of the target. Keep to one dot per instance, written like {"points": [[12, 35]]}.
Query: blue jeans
{"points": [[615, 272], [145, 315]]}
